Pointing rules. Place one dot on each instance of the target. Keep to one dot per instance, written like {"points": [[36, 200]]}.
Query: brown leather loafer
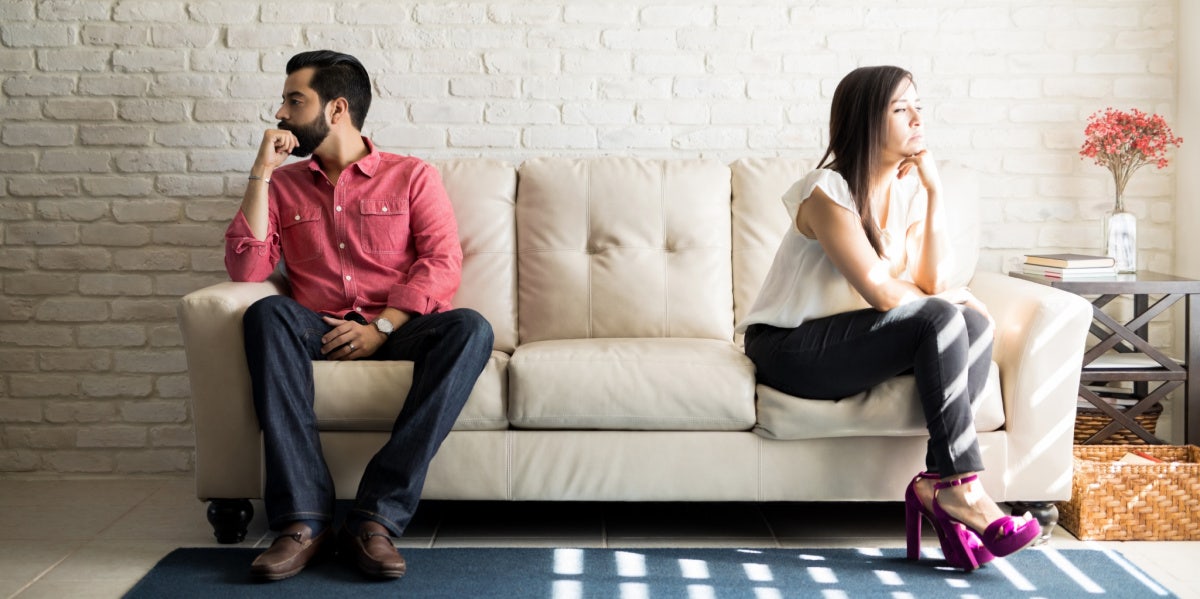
{"points": [[289, 553], [372, 551]]}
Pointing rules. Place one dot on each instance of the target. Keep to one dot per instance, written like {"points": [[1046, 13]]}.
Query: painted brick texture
{"points": [[127, 128]]}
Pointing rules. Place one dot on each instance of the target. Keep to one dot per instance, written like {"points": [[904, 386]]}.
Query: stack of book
{"points": [[1069, 267]]}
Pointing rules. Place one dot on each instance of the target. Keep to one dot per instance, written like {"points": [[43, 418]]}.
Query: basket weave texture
{"points": [[1131, 502], [1089, 421]]}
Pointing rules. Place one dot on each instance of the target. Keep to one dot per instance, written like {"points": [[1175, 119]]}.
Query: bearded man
{"points": [[370, 249]]}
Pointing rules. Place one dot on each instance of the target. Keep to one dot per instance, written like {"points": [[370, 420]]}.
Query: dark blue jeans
{"points": [[947, 347], [449, 351]]}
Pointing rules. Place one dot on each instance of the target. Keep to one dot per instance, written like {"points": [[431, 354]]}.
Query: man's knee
{"points": [[478, 327], [265, 310], [472, 326]]}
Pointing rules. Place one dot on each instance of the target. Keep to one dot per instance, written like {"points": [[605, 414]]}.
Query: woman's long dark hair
{"points": [[857, 130]]}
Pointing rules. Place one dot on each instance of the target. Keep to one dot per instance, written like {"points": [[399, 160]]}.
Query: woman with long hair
{"points": [[857, 294]]}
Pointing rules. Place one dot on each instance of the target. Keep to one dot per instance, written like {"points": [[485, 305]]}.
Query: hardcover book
{"points": [[1055, 272], [1069, 260]]}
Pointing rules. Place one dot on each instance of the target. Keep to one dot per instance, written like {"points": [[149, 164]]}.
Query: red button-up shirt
{"points": [[385, 235]]}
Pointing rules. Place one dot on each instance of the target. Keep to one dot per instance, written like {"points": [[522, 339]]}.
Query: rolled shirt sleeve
{"points": [[432, 280], [248, 259]]}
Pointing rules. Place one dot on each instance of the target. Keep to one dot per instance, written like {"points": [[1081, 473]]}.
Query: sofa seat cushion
{"points": [[367, 395], [888, 410], [631, 384]]}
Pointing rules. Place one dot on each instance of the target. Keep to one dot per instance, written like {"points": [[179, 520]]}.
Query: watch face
{"points": [[384, 325]]}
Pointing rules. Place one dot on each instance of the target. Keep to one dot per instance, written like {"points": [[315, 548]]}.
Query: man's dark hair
{"points": [[337, 75]]}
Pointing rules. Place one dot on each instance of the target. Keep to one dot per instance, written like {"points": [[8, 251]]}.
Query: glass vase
{"points": [[1120, 239]]}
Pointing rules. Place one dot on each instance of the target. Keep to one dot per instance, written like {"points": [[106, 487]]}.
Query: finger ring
{"points": [[351, 347]]}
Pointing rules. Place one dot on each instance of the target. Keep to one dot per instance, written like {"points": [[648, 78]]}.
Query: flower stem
{"points": [[1120, 178]]}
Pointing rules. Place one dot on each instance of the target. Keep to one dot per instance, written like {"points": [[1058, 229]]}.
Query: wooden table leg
{"points": [[1140, 303], [1191, 403]]}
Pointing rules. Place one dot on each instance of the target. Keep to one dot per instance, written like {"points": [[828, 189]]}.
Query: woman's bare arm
{"points": [[840, 233]]}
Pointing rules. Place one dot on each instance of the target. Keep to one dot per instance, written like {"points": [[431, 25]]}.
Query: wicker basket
{"points": [[1089, 421], [1130, 502]]}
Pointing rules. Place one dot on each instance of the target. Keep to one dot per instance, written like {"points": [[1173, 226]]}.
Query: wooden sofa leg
{"points": [[1045, 512], [230, 519]]}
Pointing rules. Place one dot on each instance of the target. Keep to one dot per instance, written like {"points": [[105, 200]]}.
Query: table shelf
{"points": [[1140, 375], [1127, 361]]}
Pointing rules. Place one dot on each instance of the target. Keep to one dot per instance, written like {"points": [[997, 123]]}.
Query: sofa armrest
{"points": [[228, 450], [1039, 345]]}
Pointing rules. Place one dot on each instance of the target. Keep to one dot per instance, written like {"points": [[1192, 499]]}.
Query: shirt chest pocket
{"points": [[384, 226], [302, 235]]}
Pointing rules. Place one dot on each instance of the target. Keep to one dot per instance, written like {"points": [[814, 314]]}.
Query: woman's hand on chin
{"points": [[926, 169]]}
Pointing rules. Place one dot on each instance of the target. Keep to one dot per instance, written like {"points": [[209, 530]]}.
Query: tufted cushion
{"points": [[961, 185], [759, 221], [483, 194], [631, 384], [617, 247]]}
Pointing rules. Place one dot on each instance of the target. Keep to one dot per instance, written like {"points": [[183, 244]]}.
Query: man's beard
{"points": [[308, 135]]}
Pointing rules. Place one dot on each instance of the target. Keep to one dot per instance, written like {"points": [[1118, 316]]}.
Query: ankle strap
{"points": [[946, 484]]}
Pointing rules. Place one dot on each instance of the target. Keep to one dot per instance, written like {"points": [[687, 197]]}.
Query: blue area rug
{"points": [[656, 573]]}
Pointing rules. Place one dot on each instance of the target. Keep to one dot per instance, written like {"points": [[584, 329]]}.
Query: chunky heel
{"points": [[956, 543], [960, 546], [912, 522]]}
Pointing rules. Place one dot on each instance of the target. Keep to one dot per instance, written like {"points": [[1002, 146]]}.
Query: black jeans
{"points": [[947, 347], [282, 338]]}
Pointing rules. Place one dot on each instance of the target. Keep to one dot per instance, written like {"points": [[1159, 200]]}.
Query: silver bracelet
{"points": [[257, 178]]}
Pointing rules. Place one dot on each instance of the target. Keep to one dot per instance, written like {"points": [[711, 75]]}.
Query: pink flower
{"points": [[1123, 142]]}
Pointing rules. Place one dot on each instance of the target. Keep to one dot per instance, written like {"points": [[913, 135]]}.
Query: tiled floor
{"points": [[96, 538]]}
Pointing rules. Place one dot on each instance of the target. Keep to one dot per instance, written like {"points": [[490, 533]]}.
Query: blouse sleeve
{"points": [[831, 182]]}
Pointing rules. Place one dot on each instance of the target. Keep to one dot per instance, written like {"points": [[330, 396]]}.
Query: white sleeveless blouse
{"points": [[803, 283]]}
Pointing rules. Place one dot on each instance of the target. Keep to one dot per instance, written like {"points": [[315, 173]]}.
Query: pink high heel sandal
{"points": [[1003, 536], [960, 545]]}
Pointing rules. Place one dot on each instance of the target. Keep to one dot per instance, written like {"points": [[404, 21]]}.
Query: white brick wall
{"points": [[126, 127]]}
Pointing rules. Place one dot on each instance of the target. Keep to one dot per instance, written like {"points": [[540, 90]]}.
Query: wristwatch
{"points": [[384, 326]]}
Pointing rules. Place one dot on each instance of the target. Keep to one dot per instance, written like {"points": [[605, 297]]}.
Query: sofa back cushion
{"points": [[484, 196], [961, 188], [618, 247], [760, 220]]}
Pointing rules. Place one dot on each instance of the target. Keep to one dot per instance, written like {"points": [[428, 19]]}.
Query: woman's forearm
{"points": [[930, 254]]}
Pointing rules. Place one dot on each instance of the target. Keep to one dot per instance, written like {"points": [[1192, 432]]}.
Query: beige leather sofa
{"points": [[613, 286]]}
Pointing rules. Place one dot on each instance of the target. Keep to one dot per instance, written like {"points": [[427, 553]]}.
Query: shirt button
{"points": [[339, 208], [347, 277], [341, 246], [385, 208], [297, 217], [358, 308]]}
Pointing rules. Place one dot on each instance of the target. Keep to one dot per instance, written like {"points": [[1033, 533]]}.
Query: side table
{"points": [[1131, 337]]}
